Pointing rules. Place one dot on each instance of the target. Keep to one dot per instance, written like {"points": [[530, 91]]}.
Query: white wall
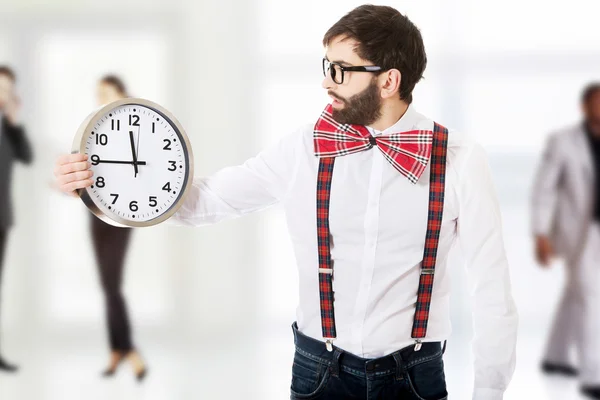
{"points": [[506, 72]]}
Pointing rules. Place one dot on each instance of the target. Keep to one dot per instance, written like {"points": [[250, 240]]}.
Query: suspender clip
{"points": [[418, 345], [326, 271], [427, 271], [329, 345]]}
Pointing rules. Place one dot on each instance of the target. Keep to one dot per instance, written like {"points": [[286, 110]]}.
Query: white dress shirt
{"points": [[378, 222]]}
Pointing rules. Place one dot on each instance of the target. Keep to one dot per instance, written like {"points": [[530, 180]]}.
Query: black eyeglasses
{"points": [[336, 71]]}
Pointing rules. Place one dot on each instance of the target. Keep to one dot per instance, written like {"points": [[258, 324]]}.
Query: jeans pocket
{"points": [[309, 377], [427, 379]]}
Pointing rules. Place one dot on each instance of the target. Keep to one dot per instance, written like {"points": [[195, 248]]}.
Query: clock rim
{"points": [[79, 147]]}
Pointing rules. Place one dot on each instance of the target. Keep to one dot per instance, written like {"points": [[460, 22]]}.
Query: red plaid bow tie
{"points": [[408, 151]]}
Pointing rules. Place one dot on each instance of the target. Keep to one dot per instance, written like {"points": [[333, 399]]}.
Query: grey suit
{"points": [[563, 194], [563, 202]]}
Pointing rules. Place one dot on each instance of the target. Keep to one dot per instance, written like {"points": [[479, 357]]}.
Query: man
{"points": [[566, 222], [13, 147], [364, 227]]}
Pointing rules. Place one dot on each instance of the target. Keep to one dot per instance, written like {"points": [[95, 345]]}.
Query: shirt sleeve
{"points": [[545, 189], [495, 317], [258, 183]]}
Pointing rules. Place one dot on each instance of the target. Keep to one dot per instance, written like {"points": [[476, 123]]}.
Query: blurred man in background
{"points": [[13, 147], [566, 222]]}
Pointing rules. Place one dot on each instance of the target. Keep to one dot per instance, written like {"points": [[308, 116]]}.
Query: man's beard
{"points": [[363, 108]]}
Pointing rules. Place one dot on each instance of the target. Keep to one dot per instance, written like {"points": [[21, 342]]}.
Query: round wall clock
{"points": [[141, 159]]}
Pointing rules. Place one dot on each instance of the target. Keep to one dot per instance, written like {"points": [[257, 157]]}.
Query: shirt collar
{"points": [[405, 123]]}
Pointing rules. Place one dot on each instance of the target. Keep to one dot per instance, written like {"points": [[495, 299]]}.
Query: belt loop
{"points": [[399, 366], [335, 362], [444, 347]]}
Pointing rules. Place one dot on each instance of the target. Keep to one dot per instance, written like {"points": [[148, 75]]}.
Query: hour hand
{"points": [[98, 161]]}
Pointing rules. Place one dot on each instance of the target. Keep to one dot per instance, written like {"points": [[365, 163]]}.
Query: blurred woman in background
{"points": [[110, 246]]}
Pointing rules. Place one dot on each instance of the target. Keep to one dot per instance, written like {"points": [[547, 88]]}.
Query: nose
{"points": [[328, 83]]}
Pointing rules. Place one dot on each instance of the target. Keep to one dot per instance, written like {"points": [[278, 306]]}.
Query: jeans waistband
{"points": [[405, 357]]}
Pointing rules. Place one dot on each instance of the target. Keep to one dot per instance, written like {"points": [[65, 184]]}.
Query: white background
{"points": [[211, 307]]}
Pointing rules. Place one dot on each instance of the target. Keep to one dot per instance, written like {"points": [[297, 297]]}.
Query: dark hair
{"points": [[387, 39], [589, 91], [115, 82], [6, 70]]}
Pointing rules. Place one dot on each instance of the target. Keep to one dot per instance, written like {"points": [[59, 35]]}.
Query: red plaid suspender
{"points": [[325, 264], [434, 222]]}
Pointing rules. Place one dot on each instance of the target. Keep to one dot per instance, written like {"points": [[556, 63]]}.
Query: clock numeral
{"points": [[133, 206], [135, 119], [173, 166], [167, 187], [112, 124], [100, 182], [116, 196], [168, 145], [152, 201], [153, 126], [102, 139], [95, 159]]}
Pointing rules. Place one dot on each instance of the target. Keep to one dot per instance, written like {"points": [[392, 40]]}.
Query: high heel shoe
{"points": [[141, 374], [139, 366], [110, 371], [6, 367]]}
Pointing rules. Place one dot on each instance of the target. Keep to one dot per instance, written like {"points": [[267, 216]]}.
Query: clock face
{"points": [[140, 162]]}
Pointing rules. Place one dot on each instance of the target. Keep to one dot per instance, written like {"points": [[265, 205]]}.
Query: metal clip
{"points": [[326, 271], [418, 345], [329, 345], [427, 271]]}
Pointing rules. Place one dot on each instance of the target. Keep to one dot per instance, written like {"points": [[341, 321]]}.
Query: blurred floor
{"points": [[189, 359], [251, 369]]}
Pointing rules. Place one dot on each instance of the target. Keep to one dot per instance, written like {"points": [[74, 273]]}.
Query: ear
{"points": [[390, 81]]}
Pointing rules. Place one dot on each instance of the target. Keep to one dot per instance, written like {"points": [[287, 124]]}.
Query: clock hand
{"points": [[135, 168], [120, 162], [137, 149]]}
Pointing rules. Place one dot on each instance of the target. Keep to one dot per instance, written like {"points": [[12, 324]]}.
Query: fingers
{"points": [[69, 163], [72, 173], [74, 177], [65, 169], [71, 187], [71, 158]]}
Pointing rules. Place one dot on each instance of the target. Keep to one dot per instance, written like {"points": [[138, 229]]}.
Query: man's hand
{"points": [[543, 250], [12, 109], [72, 172]]}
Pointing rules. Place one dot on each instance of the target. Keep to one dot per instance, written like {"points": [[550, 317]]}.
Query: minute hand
{"points": [[135, 164]]}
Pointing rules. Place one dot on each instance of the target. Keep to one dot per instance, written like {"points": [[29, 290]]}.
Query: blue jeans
{"points": [[405, 374]]}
